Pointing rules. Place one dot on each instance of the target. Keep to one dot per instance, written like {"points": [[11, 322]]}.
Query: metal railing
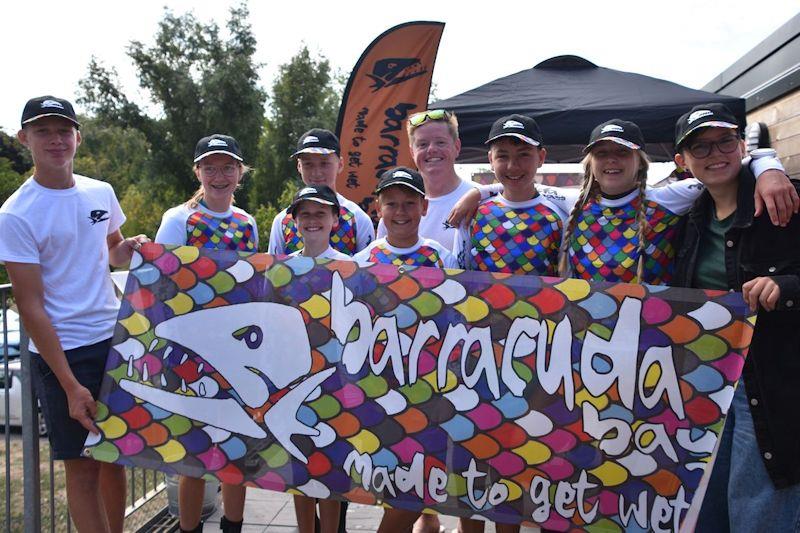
{"points": [[143, 485]]}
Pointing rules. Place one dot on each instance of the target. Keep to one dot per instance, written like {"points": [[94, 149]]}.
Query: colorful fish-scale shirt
{"points": [[234, 229], [512, 237], [353, 233], [605, 241], [425, 253]]}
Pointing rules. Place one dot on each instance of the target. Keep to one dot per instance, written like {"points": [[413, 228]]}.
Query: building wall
{"points": [[782, 116]]}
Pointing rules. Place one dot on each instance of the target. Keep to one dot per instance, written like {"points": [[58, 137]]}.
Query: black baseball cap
{"points": [[322, 194], [703, 116], [401, 176], [523, 128], [48, 106], [217, 144], [619, 131], [317, 141]]}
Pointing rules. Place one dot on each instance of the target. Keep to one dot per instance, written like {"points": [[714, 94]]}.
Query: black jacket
{"points": [[753, 248]]}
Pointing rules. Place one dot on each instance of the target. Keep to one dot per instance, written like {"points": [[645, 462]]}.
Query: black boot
{"points": [[197, 529], [230, 527]]}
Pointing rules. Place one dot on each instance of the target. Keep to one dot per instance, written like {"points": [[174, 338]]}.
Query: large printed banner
{"points": [[517, 398], [390, 82]]}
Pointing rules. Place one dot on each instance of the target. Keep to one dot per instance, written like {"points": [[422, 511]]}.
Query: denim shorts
{"points": [[88, 364]]}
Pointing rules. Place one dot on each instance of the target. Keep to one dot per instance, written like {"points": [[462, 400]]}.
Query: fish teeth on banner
{"points": [[130, 349], [638, 463], [705, 378], [535, 424], [146, 274], [460, 428], [711, 315], [392, 402], [326, 435], [216, 435], [241, 271], [704, 444], [723, 398], [450, 291], [205, 387], [315, 489]]}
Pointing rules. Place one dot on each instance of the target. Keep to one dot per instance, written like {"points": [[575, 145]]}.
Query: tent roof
{"points": [[568, 96]]}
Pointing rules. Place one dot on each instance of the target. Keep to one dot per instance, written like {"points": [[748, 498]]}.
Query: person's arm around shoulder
{"points": [[28, 289]]}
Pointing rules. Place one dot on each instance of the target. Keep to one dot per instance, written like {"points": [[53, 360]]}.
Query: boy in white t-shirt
{"points": [[402, 203], [58, 233], [319, 162]]}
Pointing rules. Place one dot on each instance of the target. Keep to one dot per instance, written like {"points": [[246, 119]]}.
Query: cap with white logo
{"points": [[317, 141], [703, 116], [619, 131], [322, 194], [518, 126], [48, 106], [217, 144], [402, 176]]}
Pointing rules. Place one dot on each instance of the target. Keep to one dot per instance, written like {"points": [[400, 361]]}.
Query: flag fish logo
{"points": [[392, 71]]}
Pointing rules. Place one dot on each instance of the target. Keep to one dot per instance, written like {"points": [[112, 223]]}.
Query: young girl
{"points": [[210, 220], [315, 211]]}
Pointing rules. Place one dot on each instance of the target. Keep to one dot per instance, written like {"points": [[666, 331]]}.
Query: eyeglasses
{"points": [[702, 149], [211, 171], [418, 119]]}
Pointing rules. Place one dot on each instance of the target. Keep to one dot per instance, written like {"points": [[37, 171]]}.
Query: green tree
{"points": [[305, 95], [16, 154], [10, 179], [200, 82]]}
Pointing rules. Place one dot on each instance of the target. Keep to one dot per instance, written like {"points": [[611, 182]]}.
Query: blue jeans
{"points": [[740, 495]]}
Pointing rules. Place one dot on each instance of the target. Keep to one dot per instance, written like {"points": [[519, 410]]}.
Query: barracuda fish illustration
{"points": [[393, 70], [244, 343]]}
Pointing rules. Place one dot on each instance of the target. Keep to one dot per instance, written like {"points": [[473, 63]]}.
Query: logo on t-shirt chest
{"points": [[98, 215]]}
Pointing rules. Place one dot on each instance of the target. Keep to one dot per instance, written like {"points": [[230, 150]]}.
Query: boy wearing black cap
{"points": [[315, 211], [755, 482], [319, 162], [518, 231], [58, 233], [402, 203]]}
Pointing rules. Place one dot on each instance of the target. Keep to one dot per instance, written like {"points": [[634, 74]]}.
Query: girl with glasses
{"points": [[210, 220]]}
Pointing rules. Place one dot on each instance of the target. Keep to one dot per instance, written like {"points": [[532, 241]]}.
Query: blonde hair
{"points": [[451, 121], [591, 189], [197, 197]]}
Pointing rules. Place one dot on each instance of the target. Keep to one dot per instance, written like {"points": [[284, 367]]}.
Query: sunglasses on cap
{"points": [[418, 119]]}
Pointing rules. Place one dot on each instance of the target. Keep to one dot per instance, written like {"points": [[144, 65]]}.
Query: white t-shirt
{"points": [[65, 232], [426, 252], [434, 224], [354, 232], [234, 229], [330, 253]]}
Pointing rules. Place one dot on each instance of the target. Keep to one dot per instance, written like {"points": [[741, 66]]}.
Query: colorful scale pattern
{"points": [[605, 243], [167, 281], [343, 239], [515, 240], [232, 233], [422, 256]]}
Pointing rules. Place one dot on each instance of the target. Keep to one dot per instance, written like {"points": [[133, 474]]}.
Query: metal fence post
{"points": [[30, 443]]}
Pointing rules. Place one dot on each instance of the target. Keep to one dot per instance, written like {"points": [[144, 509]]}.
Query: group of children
{"points": [[615, 228]]}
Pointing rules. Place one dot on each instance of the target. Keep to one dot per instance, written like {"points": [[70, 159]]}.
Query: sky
{"points": [[48, 44]]}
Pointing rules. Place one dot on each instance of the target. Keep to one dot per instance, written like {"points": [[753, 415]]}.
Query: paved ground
{"points": [[273, 512]]}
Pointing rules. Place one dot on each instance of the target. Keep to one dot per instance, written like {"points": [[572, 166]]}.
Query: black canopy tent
{"points": [[568, 96]]}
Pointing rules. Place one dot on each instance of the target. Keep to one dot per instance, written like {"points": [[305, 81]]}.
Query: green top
{"points": [[710, 267]]}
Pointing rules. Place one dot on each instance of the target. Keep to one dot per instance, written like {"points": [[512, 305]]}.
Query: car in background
{"points": [[11, 387]]}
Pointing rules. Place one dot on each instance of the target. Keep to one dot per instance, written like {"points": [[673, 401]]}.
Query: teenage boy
{"points": [[518, 231], [315, 211], [434, 144], [58, 233], [755, 484], [319, 162], [402, 204]]}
